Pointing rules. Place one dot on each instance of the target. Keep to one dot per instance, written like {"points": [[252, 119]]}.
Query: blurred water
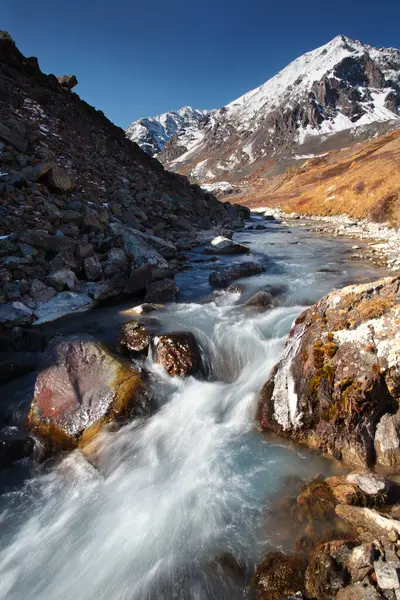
{"points": [[195, 480]]}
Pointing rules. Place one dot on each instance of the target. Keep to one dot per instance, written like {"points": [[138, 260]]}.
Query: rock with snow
{"points": [[339, 373], [223, 245]]}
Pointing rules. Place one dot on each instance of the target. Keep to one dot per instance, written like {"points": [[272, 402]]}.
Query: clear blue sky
{"points": [[136, 58]]}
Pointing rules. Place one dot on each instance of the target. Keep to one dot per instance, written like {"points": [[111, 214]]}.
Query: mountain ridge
{"points": [[342, 86]]}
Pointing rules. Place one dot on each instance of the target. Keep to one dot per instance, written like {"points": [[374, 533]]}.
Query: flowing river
{"points": [[195, 480]]}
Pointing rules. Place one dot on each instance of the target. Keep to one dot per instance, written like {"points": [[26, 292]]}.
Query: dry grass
{"points": [[361, 181], [373, 308]]}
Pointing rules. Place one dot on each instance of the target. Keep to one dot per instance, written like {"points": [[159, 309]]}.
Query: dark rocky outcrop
{"points": [[339, 376]]}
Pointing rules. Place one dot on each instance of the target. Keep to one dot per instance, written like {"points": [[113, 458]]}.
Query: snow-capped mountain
{"points": [[338, 89], [153, 133]]}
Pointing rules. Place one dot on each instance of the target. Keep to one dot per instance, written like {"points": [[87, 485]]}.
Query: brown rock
{"points": [[135, 336], [93, 268], [57, 179], [178, 353], [326, 573], [279, 575], [67, 81], [83, 388]]}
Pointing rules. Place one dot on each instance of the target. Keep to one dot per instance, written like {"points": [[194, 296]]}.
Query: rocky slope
{"points": [[153, 133], [85, 213], [338, 91]]}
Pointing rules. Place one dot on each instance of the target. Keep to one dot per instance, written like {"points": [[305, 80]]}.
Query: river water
{"points": [[195, 480]]}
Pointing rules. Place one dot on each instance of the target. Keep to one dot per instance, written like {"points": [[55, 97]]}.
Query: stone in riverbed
{"points": [[161, 291], [178, 353], [280, 576], [83, 388], [135, 336], [223, 245], [370, 524], [260, 299], [359, 591], [225, 275], [64, 279], [62, 304]]}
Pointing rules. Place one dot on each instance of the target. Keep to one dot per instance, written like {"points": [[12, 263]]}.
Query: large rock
{"points": [[92, 267], [47, 242], [178, 353], [327, 573], [161, 291], [142, 252], [135, 336], [359, 591], [67, 81], [223, 245], [387, 441], [83, 388], [64, 279], [57, 179], [225, 275], [280, 576], [370, 524], [339, 373], [12, 138], [15, 313], [62, 304]]}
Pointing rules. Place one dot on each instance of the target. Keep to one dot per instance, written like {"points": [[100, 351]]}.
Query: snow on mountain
{"points": [[152, 133], [343, 86]]}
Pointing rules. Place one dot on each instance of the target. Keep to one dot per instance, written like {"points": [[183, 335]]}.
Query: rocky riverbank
{"points": [[383, 250]]}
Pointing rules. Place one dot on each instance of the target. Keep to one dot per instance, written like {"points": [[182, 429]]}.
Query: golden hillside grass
{"points": [[361, 181]]}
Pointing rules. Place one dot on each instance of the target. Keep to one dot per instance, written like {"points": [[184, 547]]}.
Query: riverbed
{"points": [[169, 496]]}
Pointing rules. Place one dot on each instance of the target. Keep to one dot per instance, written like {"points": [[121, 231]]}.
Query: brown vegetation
{"points": [[361, 181]]}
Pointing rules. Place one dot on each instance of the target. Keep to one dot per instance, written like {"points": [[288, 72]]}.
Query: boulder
{"points": [[47, 242], [370, 524], [64, 303], [339, 373], [225, 275], [260, 299], [387, 574], [387, 441], [12, 138], [280, 576], [83, 388], [135, 336], [223, 245], [360, 563], [57, 180], [67, 81], [178, 353], [165, 290], [139, 279], [15, 313], [64, 279], [134, 244], [327, 573], [92, 267]]}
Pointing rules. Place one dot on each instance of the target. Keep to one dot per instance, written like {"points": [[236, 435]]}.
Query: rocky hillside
{"points": [[337, 91], [85, 213], [153, 133]]}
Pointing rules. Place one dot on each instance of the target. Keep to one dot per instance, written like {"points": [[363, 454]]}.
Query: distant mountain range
{"points": [[340, 91]]}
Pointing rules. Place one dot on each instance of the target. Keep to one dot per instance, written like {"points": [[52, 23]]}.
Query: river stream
{"points": [[171, 494]]}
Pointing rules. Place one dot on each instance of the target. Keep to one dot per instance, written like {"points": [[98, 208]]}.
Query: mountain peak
{"points": [[340, 86]]}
